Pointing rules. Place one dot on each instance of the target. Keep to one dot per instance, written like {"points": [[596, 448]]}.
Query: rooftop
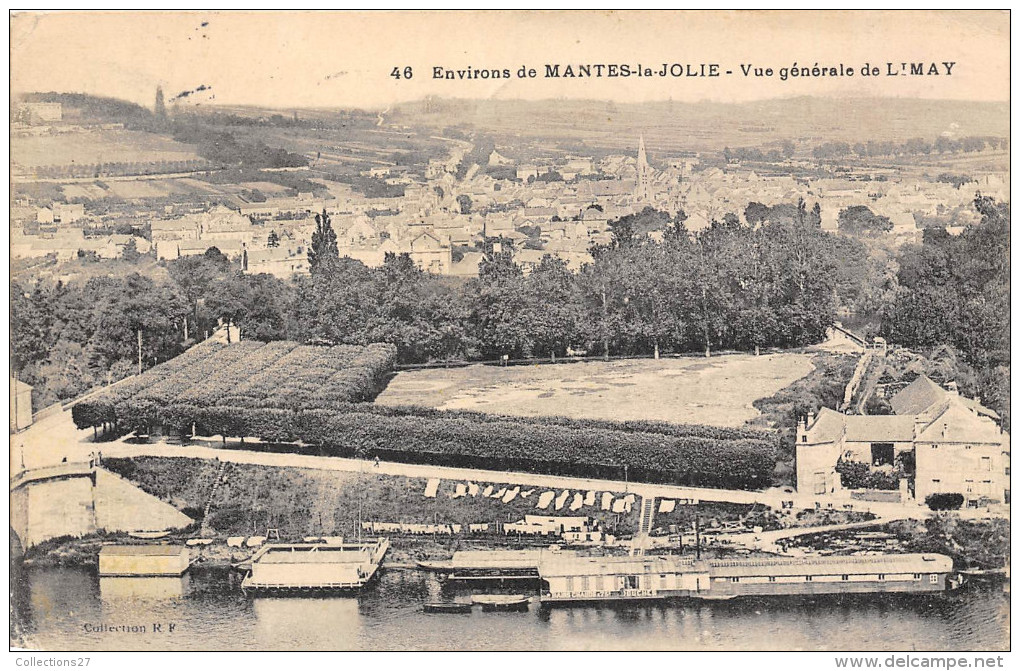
{"points": [[143, 550]]}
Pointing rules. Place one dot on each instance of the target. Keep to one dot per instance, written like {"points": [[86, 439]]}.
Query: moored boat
{"points": [[148, 535], [447, 607], [502, 602], [663, 577]]}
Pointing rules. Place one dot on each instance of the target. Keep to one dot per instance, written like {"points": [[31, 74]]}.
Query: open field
{"points": [[717, 391], [100, 146]]}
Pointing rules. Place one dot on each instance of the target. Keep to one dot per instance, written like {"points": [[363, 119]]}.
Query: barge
{"points": [[311, 567], [587, 579], [468, 565]]}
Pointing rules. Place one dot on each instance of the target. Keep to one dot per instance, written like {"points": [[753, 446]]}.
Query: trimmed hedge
{"points": [[245, 374], [945, 501], [506, 444], [101, 407], [629, 426]]}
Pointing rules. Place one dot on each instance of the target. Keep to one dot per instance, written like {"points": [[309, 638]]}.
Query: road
{"points": [[55, 438], [212, 449]]}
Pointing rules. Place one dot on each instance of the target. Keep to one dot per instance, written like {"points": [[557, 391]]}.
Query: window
{"points": [[933, 578], [807, 578], [598, 583], [970, 486], [570, 584], [584, 584], [934, 447], [882, 454], [986, 463], [881, 576], [846, 577], [803, 439], [917, 576], [772, 578], [734, 579]]}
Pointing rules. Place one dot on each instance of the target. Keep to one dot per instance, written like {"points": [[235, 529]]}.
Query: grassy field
{"points": [[98, 146], [717, 391], [302, 502]]}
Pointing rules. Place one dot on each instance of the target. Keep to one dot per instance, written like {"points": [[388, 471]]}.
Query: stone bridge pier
{"points": [[77, 499]]}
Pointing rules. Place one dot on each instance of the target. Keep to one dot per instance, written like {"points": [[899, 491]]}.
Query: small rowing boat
{"points": [[439, 607], [148, 535], [502, 602]]}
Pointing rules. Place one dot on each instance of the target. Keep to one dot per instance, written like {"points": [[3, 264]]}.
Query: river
{"points": [[74, 609]]}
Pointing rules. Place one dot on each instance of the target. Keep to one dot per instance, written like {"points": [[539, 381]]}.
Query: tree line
{"points": [[771, 279]]}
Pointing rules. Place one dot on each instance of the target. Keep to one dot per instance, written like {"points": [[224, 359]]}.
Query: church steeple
{"points": [[642, 170]]}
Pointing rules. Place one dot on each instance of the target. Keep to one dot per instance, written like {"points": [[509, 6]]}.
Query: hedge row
{"points": [[309, 377], [504, 444], [246, 374], [226, 379], [100, 408], [630, 426]]}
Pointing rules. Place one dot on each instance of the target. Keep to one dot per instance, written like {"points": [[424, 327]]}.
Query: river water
{"points": [[74, 609]]}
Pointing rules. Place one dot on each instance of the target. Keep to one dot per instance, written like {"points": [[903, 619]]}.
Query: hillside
{"points": [[671, 125], [92, 109]]}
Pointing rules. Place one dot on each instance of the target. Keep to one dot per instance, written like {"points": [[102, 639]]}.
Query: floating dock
{"points": [[143, 560], [582, 579], [309, 567]]}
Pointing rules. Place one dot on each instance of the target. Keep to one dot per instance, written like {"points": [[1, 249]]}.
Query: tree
{"points": [[194, 277], [31, 323], [130, 252], [132, 304], [956, 291], [500, 310], [555, 306], [860, 220], [230, 300], [464, 202], [273, 240], [324, 249], [160, 106]]}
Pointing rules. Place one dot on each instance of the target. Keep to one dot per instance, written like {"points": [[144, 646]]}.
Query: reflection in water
{"points": [[308, 623], [161, 587], [63, 609]]}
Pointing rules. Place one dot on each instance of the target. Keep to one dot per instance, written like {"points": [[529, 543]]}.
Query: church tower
{"points": [[643, 171]]}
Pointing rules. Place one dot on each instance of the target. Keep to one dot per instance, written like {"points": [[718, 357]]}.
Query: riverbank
{"points": [[972, 544], [246, 500]]}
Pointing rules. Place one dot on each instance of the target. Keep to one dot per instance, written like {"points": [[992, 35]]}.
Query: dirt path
{"points": [[772, 498]]}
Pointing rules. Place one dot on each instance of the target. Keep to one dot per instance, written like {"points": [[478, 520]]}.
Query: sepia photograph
{"points": [[510, 331]]}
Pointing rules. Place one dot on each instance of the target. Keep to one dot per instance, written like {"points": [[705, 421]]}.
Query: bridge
{"points": [[80, 498]]}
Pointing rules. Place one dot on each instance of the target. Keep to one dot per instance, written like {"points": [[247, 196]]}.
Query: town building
{"points": [[432, 254], [943, 442]]}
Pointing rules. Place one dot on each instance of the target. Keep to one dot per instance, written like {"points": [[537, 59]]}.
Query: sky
{"points": [[327, 59]]}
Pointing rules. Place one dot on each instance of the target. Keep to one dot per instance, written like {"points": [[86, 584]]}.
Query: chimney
{"points": [[945, 430]]}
